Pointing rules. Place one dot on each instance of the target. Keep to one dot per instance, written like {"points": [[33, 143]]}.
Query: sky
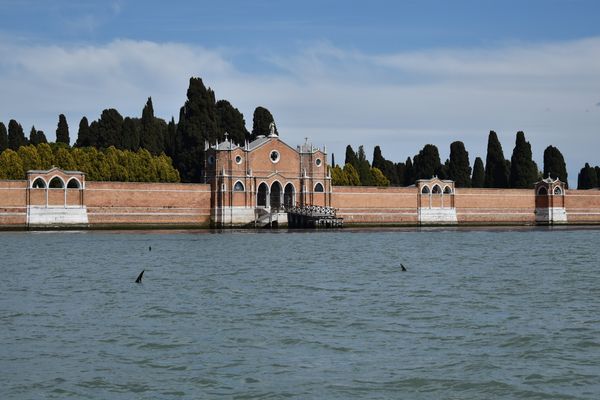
{"points": [[398, 74]]}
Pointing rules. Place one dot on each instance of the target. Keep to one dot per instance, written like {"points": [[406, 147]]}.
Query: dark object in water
{"points": [[402, 268], [139, 278], [149, 248]]}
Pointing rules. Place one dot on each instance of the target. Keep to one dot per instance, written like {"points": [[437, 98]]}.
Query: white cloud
{"points": [[337, 97]]}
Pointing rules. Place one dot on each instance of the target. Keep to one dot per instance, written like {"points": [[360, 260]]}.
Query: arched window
{"points": [[436, 190], [56, 183], [319, 188], [39, 183], [73, 184], [238, 187], [447, 190], [262, 194], [425, 190], [557, 191], [542, 191]]}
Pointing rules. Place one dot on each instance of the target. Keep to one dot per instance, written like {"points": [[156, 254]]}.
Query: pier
{"points": [[309, 216]]}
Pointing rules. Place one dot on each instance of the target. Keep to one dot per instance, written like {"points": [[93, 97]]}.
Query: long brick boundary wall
{"points": [[495, 206], [13, 203], [376, 205]]}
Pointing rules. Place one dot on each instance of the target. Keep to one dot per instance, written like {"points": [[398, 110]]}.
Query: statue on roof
{"points": [[272, 129]]}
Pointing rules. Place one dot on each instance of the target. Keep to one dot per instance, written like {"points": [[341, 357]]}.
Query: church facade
{"points": [[255, 183]]}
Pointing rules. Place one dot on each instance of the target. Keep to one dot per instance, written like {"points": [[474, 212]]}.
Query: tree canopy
{"points": [[554, 164], [523, 170], [496, 168], [459, 168], [587, 178], [62, 130]]}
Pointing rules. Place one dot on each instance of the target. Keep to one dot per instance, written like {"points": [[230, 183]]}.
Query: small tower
{"points": [[550, 202]]}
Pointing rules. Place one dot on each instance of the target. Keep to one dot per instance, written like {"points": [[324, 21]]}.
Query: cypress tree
{"points": [[364, 168], [386, 167], [459, 168], [351, 157], [597, 168], [150, 134], [131, 132], [197, 123], [427, 163], [84, 136], [587, 178], [3, 137], [261, 120], [16, 136], [478, 178], [496, 171], [62, 130], [33, 136], [106, 131], [523, 171], [332, 160], [554, 164], [171, 137], [231, 120], [409, 175], [401, 173]]}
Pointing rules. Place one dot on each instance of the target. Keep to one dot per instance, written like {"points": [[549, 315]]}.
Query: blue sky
{"points": [[399, 74]]}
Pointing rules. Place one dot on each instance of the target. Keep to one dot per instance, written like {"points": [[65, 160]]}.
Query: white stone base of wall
{"points": [[244, 216], [551, 215], [56, 216], [437, 216]]}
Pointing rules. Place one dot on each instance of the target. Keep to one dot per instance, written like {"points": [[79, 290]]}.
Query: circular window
{"points": [[318, 162], [211, 160], [238, 159], [274, 156]]}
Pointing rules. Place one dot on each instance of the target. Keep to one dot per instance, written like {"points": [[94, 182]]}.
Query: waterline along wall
{"points": [[57, 198]]}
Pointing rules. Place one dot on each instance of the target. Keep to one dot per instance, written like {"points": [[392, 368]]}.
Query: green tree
{"points": [[11, 166], [130, 134], [197, 124], [170, 138], [478, 178], [387, 167], [401, 173], [62, 130], [46, 155], [231, 120], [378, 178], [410, 173], [261, 120], [338, 177], [427, 162], [351, 157], [30, 157], [554, 164], [496, 168], [351, 175], [152, 131], [16, 136], [587, 178], [523, 171], [106, 131], [459, 168], [63, 159]]}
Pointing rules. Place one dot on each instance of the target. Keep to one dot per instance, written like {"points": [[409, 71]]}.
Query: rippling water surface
{"points": [[479, 314]]}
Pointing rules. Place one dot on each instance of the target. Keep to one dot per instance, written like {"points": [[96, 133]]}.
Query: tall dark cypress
{"points": [[62, 130], [150, 135], [261, 120], [409, 172], [427, 163], [231, 120], [587, 178], [478, 178], [84, 136], [554, 164], [523, 171], [496, 171], [364, 168], [387, 167], [16, 136], [3, 137], [351, 157], [459, 168], [197, 123]]}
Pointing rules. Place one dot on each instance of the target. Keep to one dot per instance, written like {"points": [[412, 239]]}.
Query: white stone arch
{"points": [[77, 183], [286, 200], [447, 189], [236, 187], [425, 190], [317, 185], [436, 189], [62, 182], [557, 191], [259, 194], [271, 192], [39, 179]]}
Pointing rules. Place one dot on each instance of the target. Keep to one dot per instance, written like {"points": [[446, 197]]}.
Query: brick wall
{"points": [[375, 205], [583, 206], [13, 203], [504, 206]]}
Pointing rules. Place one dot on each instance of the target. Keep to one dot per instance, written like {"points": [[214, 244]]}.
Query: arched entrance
{"points": [[261, 195], [288, 195], [276, 195]]}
